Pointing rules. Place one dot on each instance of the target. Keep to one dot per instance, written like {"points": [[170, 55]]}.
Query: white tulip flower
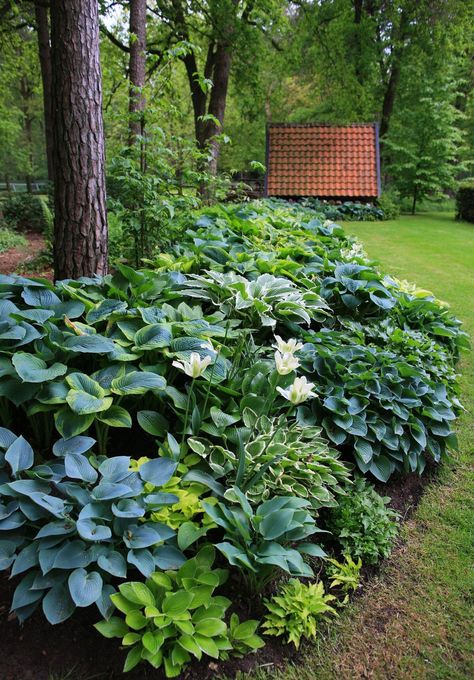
{"points": [[299, 391], [287, 346], [286, 363], [195, 367]]}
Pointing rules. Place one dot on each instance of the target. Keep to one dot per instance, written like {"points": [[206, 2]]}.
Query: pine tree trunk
{"points": [[80, 220], [44, 52], [137, 66]]}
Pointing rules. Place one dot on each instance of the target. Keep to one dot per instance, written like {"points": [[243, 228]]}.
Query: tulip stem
{"points": [[188, 403]]}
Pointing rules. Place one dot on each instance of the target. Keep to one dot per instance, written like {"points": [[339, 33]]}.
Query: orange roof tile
{"points": [[323, 160]]}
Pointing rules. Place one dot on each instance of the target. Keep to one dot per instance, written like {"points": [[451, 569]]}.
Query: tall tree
{"points": [[44, 53], [80, 220], [137, 68]]}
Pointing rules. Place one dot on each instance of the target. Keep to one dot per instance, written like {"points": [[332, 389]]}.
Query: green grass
{"points": [[415, 620]]}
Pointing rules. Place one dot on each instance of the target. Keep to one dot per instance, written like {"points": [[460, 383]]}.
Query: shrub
{"points": [[465, 202], [389, 204], [10, 239], [350, 211], [25, 212], [362, 523], [297, 611]]}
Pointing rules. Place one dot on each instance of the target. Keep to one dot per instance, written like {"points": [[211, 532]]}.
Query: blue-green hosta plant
{"points": [[175, 616], [72, 525], [272, 535], [390, 410], [297, 611]]}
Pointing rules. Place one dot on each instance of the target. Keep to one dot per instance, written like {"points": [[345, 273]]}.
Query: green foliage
{"points": [[297, 611], [424, 143], [389, 203], [175, 616], [362, 523], [344, 576], [72, 524], [10, 239], [465, 202], [24, 212]]}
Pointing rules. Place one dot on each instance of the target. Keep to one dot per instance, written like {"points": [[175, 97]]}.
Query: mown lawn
{"points": [[415, 621]]}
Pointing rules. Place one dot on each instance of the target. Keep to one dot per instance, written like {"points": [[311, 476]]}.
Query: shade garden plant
{"points": [[178, 439]]}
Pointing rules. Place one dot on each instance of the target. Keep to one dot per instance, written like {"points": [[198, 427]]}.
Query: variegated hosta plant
{"points": [[274, 459]]}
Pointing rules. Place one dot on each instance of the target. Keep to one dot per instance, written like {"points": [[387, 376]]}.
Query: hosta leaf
{"points": [[58, 604], [19, 455], [143, 560], [104, 309], [70, 424], [177, 603], [116, 416], [138, 592], [85, 587], [153, 423], [91, 531], [83, 383], [113, 563], [114, 627], [158, 471], [89, 344], [32, 369], [74, 445], [137, 382], [78, 467], [152, 337], [40, 297], [83, 403]]}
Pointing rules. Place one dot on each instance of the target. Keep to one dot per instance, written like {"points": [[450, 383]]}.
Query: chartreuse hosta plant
{"points": [[74, 525], [175, 616], [344, 576]]}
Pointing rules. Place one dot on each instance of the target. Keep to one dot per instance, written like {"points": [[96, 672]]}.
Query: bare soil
{"points": [[19, 258]]}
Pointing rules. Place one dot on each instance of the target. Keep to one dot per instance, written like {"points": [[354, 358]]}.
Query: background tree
{"points": [[80, 220], [424, 143]]}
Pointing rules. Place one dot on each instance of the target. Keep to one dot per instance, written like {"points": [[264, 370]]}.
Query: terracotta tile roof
{"points": [[326, 161]]}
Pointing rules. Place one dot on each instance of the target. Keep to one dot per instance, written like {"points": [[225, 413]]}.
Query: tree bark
{"points": [[137, 68], [44, 52], [80, 221]]}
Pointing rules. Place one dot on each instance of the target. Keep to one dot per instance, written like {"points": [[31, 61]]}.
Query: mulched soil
{"points": [[18, 258]]}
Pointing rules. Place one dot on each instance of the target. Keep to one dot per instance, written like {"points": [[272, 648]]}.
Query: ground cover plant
{"points": [[222, 397]]}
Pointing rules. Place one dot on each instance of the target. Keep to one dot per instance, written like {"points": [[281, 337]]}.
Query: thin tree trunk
{"points": [[44, 52], [415, 196], [137, 68], [80, 220], [217, 103], [392, 85]]}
